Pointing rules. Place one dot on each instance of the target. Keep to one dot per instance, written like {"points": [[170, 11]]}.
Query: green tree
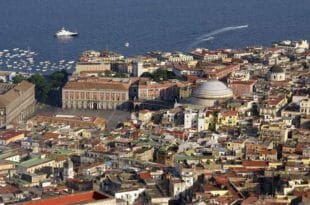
{"points": [[42, 87], [58, 78], [147, 75], [107, 73], [159, 75], [18, 78], [120, 75]]}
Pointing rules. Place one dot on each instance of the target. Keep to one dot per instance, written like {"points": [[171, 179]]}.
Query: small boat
{"points": [[126, 44], [30, 59], [65, 33]]}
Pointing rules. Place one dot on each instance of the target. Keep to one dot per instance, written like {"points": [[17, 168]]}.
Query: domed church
{"points": [[276, 73], [210, 93]]}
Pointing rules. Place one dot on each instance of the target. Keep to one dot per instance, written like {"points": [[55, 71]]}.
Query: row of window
{"points": [[95, 96]]}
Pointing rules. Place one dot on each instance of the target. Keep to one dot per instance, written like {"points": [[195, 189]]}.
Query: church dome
{"points": [[213, 89], [276, 69], [210, 92]]}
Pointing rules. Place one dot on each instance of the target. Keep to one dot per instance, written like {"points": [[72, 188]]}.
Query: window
{"points": [[95, 95]]}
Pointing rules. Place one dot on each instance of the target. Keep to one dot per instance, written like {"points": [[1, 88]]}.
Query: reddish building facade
{"points": [[93, 93], [166, 90], [240, 88], [221, 73]]}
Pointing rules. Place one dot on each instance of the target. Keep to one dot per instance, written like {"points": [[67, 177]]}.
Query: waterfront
{"points": [[147, 25]]}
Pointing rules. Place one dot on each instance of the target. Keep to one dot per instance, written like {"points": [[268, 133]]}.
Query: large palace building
{"points": [[16, 102], [95, 93]]}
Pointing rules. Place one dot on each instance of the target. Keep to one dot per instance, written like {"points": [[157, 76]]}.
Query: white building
{"points": [[176, 187], [129, 195], [178, 57], [190, 118], [305, 106], [137, 69], [194, 119], [68, 170]]}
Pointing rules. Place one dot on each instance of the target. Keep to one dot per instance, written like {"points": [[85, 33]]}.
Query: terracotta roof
{"points": [[95, 86], [230, 113], [274, 100], [8, 189], [248, 163], [79, 198], [145, 175], [9, 134], [50, 135]]}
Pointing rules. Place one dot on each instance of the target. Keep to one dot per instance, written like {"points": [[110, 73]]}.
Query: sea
{"points": [[147, 25]]}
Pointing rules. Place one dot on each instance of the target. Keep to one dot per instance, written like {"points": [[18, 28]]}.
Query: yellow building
{"points": [[7, 137], [228, 118], [6, 165], [210, 121], [275, 164], [235, 145], [92, 67], [145, 115]]}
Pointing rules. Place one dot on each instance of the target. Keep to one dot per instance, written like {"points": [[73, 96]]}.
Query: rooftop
{"points": [[79, 198], [33, 162]]}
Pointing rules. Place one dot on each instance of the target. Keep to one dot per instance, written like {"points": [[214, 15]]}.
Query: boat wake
{"points": [[222, 30], [197, 42], [210, 36]]}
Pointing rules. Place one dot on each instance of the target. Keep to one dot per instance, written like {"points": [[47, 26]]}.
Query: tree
{"points": [[120, 75], [58, 78], [48, 89], [107, 73], [159, 75], [18, 78], [147, 75], [42, 87]]}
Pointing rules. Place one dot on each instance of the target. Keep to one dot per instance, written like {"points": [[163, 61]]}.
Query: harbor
{"points": [[25, 60]]}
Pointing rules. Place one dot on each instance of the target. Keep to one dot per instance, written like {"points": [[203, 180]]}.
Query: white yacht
{"points": [[126, 44], [64, 33]]}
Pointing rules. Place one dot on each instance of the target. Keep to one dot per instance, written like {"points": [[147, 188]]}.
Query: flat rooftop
{"points": [[34, 162]]}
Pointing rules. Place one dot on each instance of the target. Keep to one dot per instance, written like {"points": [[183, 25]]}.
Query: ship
{"points": [[65, 33]]}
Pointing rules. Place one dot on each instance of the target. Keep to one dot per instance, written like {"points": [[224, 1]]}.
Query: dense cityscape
{"points": [[226, 126]]}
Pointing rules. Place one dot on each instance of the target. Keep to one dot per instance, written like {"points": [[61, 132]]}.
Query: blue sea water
{"points": [[147, 25]]}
